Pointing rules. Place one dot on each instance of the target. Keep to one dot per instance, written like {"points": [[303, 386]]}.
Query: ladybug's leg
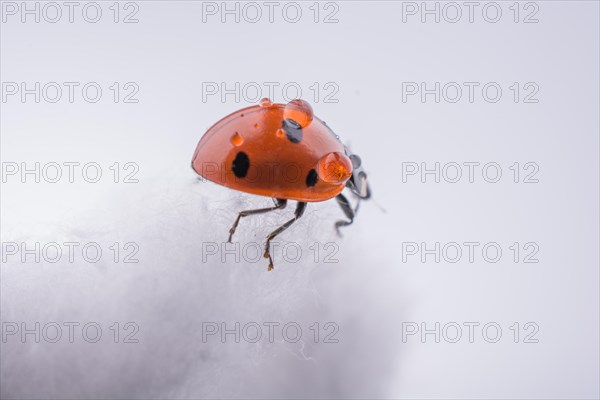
{"points": [[347, 208], [297, 214], [279, 203]]}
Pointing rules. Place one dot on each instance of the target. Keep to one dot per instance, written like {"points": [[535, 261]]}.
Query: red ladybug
{"points": [[284, 152]]}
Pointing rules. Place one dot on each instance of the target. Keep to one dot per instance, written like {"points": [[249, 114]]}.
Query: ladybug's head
{"points": [[358, 181]]}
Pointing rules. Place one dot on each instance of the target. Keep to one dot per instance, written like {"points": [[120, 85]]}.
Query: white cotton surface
{"points": [[171, 292]]}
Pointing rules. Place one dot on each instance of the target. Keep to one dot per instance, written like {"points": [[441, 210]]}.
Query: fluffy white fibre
{"points": [[171, 292]]}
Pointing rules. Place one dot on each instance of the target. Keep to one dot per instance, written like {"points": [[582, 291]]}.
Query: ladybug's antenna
{"points": [[383, 210], [371, 199]]}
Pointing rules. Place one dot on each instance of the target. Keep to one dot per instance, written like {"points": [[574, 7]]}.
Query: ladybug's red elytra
{"points": [[282, 151]]}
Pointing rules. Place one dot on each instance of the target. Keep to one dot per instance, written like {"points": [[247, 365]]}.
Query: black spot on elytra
{"points": [[240, 165], [293, 130], [311, 178]]}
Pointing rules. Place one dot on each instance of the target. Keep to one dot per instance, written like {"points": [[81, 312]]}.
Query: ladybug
{"points": [[284, 152]]}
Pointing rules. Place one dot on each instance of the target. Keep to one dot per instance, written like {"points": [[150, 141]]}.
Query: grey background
{"points": [[370, 291]]}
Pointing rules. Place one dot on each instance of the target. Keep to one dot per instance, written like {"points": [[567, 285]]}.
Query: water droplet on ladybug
{"points": [[256, 126], [236, 139], [280, 133], [265, 102], [335, 168], [300, 111]]}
